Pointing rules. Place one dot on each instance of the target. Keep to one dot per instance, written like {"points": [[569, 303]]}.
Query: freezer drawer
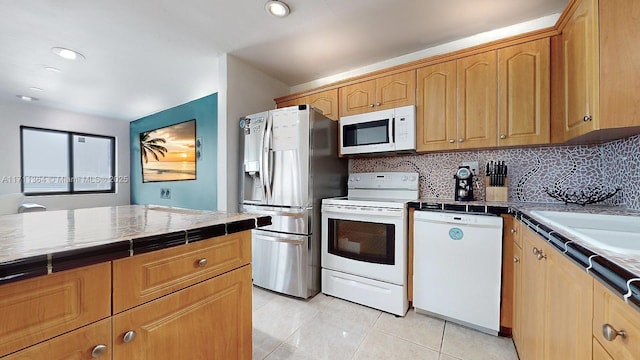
{"points": [[285, 263]]}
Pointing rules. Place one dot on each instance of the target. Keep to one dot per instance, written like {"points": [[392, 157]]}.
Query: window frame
{"points": [[70, 174]]}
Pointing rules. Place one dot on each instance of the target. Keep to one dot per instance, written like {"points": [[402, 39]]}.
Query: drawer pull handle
{"points": [[98, 351], [202, 262], [129, 336], [610, 333]]}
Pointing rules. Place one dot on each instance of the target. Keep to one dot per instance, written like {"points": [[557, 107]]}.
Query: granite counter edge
{"points": [[56, 261]]}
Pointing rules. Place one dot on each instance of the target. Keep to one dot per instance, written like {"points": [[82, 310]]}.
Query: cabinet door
{"points": [[534, 274], [506, 303], [477, 92], [581, 62], [327, 101], [209, 320], [569, 307], [436, 107], [292, 102], [396, 90], [38, 309], [357, 98], [89, 342], [517, 294], [523, 94]]}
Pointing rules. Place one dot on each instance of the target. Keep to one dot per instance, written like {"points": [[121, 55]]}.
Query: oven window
{"points": [[364, 241], [369, 133]]}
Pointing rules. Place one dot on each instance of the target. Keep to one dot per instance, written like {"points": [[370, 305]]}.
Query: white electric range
{"points": [[364, 240]]}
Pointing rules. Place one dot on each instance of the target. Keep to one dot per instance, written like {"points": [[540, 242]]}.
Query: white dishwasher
{"points": [[457, 266]]}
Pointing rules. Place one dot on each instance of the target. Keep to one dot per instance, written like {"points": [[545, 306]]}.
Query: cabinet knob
{"points": [[98, 351], [378, 104], [587, 118], [503, 136], [539, 254], [610, 333], [516, 260], [202, 262], [461, 140], [513, 231], [129, 336], [451, 141], [371, 105]]}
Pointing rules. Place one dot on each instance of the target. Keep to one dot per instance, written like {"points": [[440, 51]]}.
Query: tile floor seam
{"points": [[359, 345], [411, 341]]}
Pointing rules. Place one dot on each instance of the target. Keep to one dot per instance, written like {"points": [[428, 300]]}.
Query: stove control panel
{"points": [[384, 180]]}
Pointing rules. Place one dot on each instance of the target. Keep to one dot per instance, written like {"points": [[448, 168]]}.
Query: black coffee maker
{"points": [[464, 184]]}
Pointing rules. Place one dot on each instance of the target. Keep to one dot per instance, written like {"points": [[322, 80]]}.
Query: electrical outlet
{"points": [[165, 193], [473, 165]]}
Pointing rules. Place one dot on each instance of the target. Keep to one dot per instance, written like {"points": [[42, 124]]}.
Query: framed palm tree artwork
{"points": [[169, 153]]}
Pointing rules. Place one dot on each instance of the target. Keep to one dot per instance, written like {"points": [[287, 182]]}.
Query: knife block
{"points": [[496, 193]]}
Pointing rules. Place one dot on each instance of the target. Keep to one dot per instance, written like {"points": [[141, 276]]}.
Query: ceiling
{"points": [[143, 56]]}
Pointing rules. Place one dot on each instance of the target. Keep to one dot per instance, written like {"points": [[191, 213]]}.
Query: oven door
{"points": [[366, 241]]}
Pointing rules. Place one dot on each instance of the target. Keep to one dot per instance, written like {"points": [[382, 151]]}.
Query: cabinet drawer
{"points": [[78, 344], [37, 309], [148, 276], [609, 309]]}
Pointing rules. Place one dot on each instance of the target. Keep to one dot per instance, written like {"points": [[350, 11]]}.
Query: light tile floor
{"points": [[325, 327]]}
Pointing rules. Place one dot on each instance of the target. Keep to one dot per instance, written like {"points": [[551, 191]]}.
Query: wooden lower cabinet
{"points": [[38, 309], [209, 320], [610, 310], [90, 342], [517, 290], [599, 353], [555, 304]]}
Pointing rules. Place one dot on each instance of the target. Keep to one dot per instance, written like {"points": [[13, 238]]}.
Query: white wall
{"points": [[13, 114], [482, 38], [244, 90]]}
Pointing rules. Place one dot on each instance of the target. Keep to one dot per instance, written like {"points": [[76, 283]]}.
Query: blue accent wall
{"points": [[193, 194]]}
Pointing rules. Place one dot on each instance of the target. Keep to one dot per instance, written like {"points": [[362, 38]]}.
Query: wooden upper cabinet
{"points": [[599, 56], [385, 92], [580, 71], [477, 91], [436, 127], [326, 101], [524, 94]]}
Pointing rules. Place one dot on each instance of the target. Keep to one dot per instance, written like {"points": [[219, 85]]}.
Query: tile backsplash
{"points": [[590, 168]]}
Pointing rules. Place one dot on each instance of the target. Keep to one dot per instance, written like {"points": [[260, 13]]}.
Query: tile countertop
{"points": [[621, 272], [38, 243]]}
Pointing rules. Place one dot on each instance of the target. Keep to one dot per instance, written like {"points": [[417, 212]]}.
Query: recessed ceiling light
{"points": [[67, 53], [52, 69], [277, 8], [26, 98], [35, 88]]}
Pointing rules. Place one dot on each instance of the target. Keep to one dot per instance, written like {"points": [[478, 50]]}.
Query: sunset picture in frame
{"points": [[169, 153]]}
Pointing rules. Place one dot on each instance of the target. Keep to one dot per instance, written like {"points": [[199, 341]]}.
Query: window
{"points": [[61, 162]]}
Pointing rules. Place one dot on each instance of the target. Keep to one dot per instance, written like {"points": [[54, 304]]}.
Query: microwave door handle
{"points": [[393, 130]]}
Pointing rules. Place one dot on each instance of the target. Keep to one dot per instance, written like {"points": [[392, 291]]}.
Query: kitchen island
{"points": [[126, 282]]}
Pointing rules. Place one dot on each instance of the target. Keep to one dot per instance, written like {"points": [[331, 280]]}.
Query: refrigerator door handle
{"points": [[266, 163], [261, 165]]}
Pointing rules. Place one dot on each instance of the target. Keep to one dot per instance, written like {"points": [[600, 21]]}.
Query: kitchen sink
{"points": [[616, 233]]}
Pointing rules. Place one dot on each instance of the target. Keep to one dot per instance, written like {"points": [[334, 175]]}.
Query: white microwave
{"points": [[392, 130]]}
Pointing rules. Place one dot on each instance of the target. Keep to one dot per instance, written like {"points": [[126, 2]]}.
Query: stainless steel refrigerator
{"points": [[290, 163]]}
